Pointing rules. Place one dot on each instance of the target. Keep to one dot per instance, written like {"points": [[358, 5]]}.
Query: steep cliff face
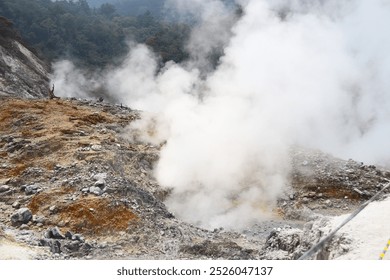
{"points": [[22, 73]]}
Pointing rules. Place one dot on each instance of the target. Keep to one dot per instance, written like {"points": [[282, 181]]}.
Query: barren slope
{"points": [[92, 194], [65, 160]]}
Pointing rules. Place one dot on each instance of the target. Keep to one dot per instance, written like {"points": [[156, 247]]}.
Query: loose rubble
{"points": [[22, 73], [22, 216], [73, 187]]}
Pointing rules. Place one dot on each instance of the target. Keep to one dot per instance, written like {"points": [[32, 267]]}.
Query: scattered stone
{"points": [[16, 205], [24, 227], [68, 234], [344, 247], [358, 191], [100, 183], [75, 237], [100, 176], [96, 148], [96, 190], [32, 189], [86, 247], [55, 245], [286, 239], [4, 188], [54, 233], [78, 237], [72, 246], [100, 180], [224, 249], [38, 219], [311, 194], [22, 216], [53, 209], [62, 224]]}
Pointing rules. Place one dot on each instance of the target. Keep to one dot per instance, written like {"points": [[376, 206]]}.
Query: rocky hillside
{"points": [[73, 187], [22, 73], [71, 183]]}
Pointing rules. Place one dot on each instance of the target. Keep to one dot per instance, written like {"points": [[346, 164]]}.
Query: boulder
{"points": [[55, 245], [32, 189], [22, 216], [96, 190], [100, 180], [4, 188], [54, 233]]}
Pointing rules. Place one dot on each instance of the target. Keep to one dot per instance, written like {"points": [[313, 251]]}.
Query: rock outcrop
{"points": [[22, 73]]}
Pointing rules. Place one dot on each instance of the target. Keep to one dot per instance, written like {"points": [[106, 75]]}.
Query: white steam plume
{"points": [[70, 81], [308, 73], [212, 30]]}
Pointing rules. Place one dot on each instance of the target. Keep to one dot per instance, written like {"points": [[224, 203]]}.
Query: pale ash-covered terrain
{"points": [[73, 186], [22, 73]]}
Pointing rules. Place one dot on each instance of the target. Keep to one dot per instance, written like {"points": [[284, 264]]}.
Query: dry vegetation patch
{"points": [[93, 215]]}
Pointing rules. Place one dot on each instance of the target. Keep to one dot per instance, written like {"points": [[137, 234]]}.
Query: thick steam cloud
{"points": [[305, 73]]}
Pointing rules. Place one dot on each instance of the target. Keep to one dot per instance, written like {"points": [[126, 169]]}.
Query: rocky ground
{"points": [[72, 187], [22, 73]]}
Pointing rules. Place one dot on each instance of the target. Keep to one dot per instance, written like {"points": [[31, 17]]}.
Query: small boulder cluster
{"points": [[68, 243]]}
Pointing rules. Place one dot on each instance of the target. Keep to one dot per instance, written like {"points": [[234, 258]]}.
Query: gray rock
{"points": [[100, 176], [285, 239], [358, 191], [16, 205], [4, 188], [55, 245], [32, 189], [86, 247], [22, 216], [72, 246], [52, 209], [96, 148], [96, 190], [54, 233], [27, 77], [100, 180], [24, 227], [75, 237], [78, 237], [100, 183], [69, 235], [38, 219]]}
